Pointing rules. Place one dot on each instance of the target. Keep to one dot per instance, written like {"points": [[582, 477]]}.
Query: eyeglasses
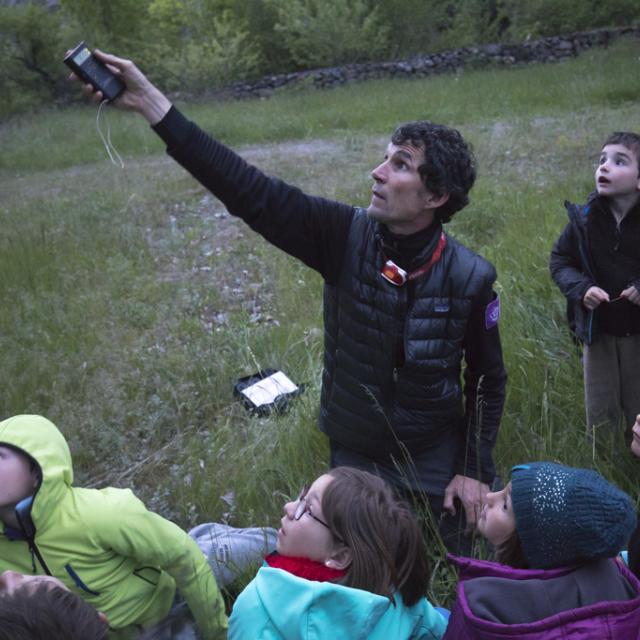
{"points": [[302, 507]]}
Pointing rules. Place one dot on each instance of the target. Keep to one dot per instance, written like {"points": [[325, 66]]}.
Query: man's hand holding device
{"points": [[117, 80]]}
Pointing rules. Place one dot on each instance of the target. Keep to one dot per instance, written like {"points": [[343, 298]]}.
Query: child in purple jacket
{"points": [[556, 531], [634, 543]]}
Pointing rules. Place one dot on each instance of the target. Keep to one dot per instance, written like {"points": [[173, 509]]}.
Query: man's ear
{"points": [[103, 617], [433, 201], [340, 559]]}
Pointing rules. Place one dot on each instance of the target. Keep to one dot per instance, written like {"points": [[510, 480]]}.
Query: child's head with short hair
{"points": [[618, 169], [351, 520], [627, 139], [551, 515]]}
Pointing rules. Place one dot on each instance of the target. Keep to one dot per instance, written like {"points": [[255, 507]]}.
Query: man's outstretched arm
{"points": [[309, 228]]}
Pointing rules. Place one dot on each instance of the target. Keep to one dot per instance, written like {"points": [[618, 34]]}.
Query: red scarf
{"points": [[304, 568]]}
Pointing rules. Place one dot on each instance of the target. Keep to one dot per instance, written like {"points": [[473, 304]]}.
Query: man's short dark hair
{"points": [[626, 139], [48, 613], [449, 164]]}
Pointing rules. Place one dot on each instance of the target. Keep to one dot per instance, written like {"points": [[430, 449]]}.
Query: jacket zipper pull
{"points": [[395, 374]]}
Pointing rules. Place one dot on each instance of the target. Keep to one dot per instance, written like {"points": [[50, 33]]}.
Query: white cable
{"points": [[108, 145]]}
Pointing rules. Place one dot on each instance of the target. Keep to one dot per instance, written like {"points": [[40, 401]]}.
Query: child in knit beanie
{"points": [[551, 515], [556, 531]]}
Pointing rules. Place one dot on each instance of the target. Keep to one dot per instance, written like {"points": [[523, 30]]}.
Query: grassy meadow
{"points": [[132, 301]]}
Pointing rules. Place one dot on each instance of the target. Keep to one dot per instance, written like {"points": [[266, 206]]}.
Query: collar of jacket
{"points": [[411, 251], [304, 568]]}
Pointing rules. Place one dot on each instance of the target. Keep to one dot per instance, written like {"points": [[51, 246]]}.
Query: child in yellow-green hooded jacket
{"points": [[102, 544]]}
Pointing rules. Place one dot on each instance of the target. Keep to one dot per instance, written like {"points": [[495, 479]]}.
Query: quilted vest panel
{"points": [[367, 404]]}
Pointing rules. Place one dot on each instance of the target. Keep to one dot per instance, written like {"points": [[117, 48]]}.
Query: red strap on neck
{"points": [[395, 275]]}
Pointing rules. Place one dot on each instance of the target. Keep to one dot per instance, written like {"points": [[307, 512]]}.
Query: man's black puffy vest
{"points": [[367, 405]]}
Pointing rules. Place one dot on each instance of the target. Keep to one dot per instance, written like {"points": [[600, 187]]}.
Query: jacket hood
{"points": [[595, 601], [578, 212], [280, 592], [41, 439]]}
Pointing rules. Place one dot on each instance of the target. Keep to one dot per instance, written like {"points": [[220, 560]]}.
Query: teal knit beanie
{"points": [[566, 515]]}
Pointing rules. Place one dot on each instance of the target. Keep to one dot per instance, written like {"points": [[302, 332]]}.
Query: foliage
{"points": [[538, 18], [415, 26], [330, 32], [31, 48], [114, 24], [216, 50], [196, 45], [260, 17], [477, 21]]}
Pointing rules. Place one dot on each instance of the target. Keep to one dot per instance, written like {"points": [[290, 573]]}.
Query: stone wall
{"points": [[550, 49]]}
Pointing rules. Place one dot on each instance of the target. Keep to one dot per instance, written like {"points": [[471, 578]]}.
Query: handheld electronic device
{"points": [[85, 65]]}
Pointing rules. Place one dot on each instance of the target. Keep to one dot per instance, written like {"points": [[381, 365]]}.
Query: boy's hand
{"points": [[140, 95], [594, 297], [631, 294]]}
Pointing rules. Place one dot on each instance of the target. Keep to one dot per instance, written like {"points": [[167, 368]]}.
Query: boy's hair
{"points": [[449, 165], [49, 613], [626, 139], [382, 533]]}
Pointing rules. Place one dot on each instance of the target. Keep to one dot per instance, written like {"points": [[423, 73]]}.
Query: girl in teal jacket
{"points": [[104, 545], [350, 564]]}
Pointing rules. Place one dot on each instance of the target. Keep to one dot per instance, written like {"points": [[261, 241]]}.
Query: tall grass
{"points": [[132, 302]]}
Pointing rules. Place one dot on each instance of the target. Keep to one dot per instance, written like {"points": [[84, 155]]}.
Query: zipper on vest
{"points": [[395, 374]]}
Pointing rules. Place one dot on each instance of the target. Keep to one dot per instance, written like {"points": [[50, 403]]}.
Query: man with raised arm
{"points": [[404, 302]]}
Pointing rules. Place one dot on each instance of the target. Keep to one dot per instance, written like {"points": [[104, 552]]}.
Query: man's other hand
{"points": [[471, 493]]}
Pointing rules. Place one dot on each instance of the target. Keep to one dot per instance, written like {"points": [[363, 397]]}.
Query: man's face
{"points": [[617, 172], [17, 480], [10, 581], [399, 198]]}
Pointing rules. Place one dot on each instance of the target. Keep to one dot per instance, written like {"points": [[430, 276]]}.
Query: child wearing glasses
{"points": [[350, 562], [596, 264], [556, 532]]}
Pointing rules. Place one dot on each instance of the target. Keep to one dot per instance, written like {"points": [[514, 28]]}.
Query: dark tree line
{"points": [[194, 45]]}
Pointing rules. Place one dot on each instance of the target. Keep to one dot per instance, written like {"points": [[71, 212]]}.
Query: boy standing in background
{"points": [[596, 264]]}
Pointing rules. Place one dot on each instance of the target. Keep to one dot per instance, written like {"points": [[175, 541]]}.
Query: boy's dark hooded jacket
{"points": [[573, 269]]}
